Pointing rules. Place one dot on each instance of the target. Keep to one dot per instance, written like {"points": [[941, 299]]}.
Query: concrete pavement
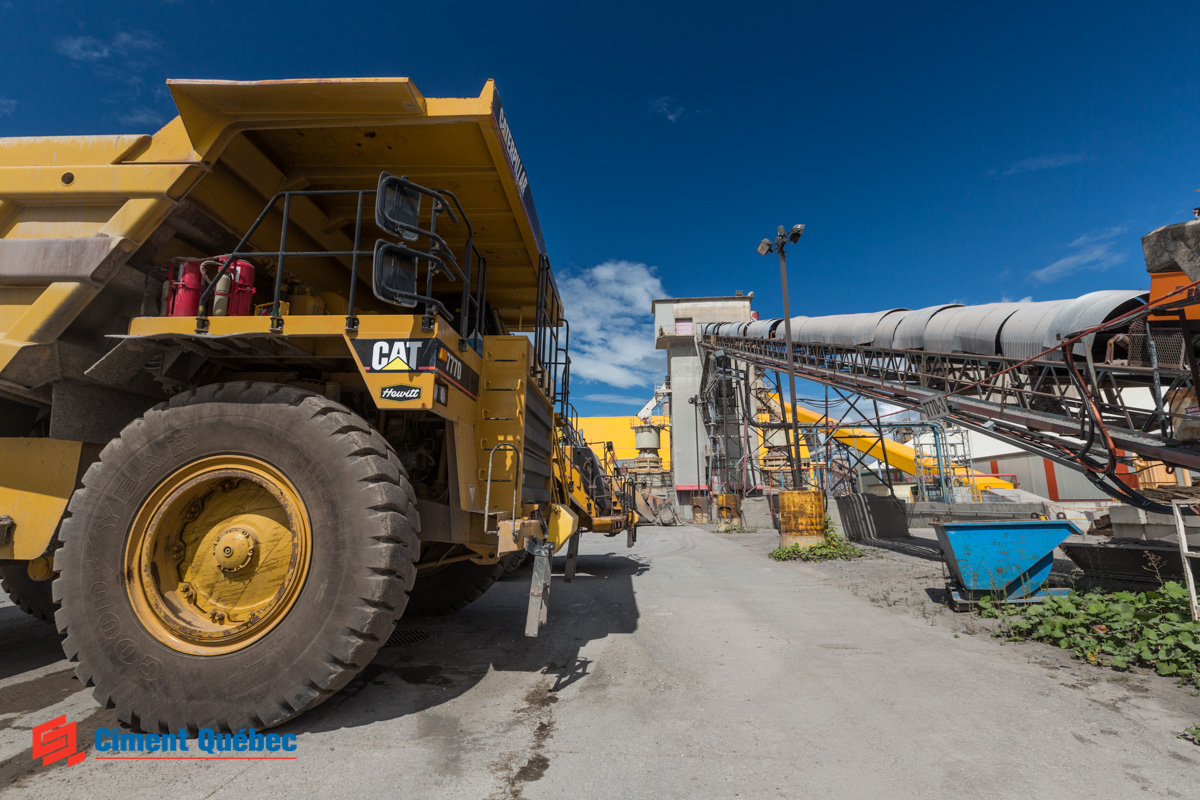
{"points": [[689, 666]]}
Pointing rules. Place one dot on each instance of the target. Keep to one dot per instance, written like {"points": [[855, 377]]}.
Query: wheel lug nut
{"points": [[217, 617], [185, 589]]}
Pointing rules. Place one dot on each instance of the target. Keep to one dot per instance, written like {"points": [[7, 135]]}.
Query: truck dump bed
{"points": [[86, 216]]}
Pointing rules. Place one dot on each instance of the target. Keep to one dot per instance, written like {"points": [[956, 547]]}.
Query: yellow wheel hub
{"points": [[234, 549], [218, 554]]}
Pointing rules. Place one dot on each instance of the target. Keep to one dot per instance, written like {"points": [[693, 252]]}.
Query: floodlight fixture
{"points": [[784, 237]]}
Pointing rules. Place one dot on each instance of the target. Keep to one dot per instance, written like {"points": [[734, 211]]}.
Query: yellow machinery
{"points": [[621, 432], [291, 367], [643, 444]]}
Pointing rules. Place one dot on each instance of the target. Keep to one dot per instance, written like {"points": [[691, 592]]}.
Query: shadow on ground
{"points": [[26, 643], [918, 548], [458, 650], [932, 551], [454, 653]]}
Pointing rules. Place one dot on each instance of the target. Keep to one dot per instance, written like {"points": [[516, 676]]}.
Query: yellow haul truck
{"points": [[291, 367]]}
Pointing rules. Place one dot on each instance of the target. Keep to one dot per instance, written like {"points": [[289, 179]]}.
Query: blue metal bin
{"points": [[1010, 559]]}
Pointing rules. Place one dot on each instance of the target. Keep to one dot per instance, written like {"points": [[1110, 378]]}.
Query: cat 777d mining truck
{"points": [[291, 367]]}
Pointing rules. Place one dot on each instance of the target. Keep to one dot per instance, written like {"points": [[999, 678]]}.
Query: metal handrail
{"points": [[439, 256], [487, 501], [1186, 555]]}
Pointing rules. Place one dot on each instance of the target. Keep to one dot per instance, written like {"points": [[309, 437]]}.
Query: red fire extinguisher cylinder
{"points": [[186, 287], [241, 300], [233, 295]]}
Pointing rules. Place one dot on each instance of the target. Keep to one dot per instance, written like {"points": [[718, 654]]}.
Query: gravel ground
{"points": [[909, 578], [690, 666]]}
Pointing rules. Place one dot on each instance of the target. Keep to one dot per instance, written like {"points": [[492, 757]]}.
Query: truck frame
{"points": [[286, 370]]}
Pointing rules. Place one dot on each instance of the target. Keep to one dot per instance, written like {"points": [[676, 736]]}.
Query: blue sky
{"points": [[936, 152]]}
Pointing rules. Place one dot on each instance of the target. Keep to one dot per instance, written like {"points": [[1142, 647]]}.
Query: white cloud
{"points": [[1099, 236], [122, 62], [143, 117], [83, 48], [616, 398], [89, 48], [1094, 253], [130, 41], [888, 412], [612, 328], [7, 107], [1039, 163], [668, 107]]}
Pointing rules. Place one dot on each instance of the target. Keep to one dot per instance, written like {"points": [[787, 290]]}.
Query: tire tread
{"points": [[370, 610]]}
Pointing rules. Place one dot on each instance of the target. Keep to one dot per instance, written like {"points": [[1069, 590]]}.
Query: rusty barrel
{"points": [[729, 507], [801, 518]]}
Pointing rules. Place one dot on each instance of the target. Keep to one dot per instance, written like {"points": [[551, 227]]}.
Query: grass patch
{"points": [[834, 548], [1118, 630], [1192, 734]]}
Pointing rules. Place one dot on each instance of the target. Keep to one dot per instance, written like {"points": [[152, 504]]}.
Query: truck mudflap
{"points": [[37, 477], [562, 527]]}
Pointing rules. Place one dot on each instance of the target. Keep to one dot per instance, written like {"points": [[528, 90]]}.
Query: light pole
{"points": [[782, 237]]}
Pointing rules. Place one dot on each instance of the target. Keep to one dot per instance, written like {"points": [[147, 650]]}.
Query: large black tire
{"points": [[32, 597], [514, 561], [444, 590], [362, 562]]}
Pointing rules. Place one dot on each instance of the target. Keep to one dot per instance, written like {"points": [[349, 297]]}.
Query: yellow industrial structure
{"points": [[896, 455], [265, 389], [599, 431], [619, 432]]}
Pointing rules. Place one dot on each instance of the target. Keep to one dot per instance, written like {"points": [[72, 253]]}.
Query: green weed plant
{"points": [[1118, 630]]}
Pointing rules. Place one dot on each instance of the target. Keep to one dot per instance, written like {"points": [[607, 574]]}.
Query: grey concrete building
{"points": [[676, 322]]}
